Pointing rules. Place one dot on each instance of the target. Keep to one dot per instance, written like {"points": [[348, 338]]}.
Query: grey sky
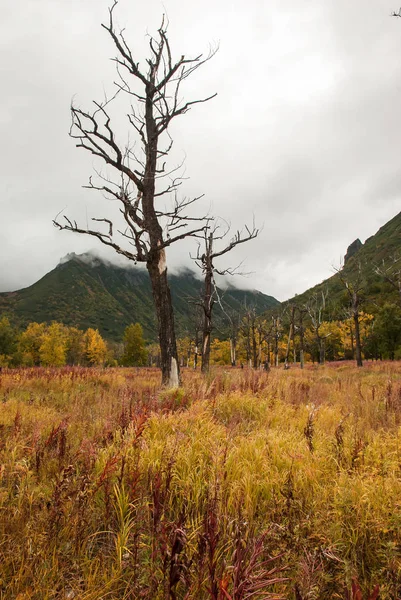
{"points": [[305, 131]]}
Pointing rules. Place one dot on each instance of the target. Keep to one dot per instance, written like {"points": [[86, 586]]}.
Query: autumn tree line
{"points": [[292, 334], [57, 345]]}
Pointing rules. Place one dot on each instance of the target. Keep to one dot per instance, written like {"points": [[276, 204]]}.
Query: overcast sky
{"points": [[305, 132]]}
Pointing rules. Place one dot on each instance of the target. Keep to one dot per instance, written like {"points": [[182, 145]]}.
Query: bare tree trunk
{"points": [[354, 287], [165, 321], [207, 312], [260, 333], [189, 354], [358, 349], [198, 328], [322, 350], [276, 335], [301, 338], [352, 342], [290, 334], [233, 350]]}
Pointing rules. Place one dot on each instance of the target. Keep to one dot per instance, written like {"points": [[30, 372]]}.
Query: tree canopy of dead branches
{"points": [[137, 178]]}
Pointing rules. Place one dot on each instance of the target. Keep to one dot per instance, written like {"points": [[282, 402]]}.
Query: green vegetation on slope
{"points": [[378, 250], [86, 292]]}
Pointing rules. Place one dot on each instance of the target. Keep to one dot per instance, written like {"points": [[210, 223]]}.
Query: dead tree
{"points": [[204, 259], [268, 338], [301, 332], [391, 272], [246, 333], [354, 284], [291, 336], [276, 330], [261, 330], [252, 317], [315, 307], [234, 324], [148, 229], [197, 332]]}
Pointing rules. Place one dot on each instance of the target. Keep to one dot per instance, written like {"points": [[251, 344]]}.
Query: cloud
{"points": [[304, 132]]}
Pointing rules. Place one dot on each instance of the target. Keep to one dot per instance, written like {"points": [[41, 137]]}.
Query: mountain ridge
{"points": [[381, 249], [75, 289]]}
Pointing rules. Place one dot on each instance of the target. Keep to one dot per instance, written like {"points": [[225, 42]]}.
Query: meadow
{"points": [[242, 485]]}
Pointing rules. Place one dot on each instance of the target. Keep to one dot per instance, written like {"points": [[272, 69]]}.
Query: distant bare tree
{"points": [[315, 307], [394, 14], [154, 98], [390, 271], [291, 336], [205, 257], [301, 332], [276, 334], [354, 284], [197, 333], [234, 319]]}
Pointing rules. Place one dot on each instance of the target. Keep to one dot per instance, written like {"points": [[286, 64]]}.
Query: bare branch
{"points": [[239, 238], [104, 238], [106, 221]]}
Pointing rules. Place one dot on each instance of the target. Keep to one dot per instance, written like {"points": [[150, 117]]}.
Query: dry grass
{"points": [[242, 485]]}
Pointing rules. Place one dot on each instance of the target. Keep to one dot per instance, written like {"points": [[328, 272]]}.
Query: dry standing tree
{"points": [[205, 257], [316, 307], [355, 285], [154, 98], [234, 319], [276, 335], [249, 330], [301, 332], [390, 271], [291, 337]]}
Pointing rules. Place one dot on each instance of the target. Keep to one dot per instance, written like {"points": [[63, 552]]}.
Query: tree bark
{"points": [[301, 339], [290, 335], [276, 336], [157, 270], [233, 351], [322, 350], [207, 310]]}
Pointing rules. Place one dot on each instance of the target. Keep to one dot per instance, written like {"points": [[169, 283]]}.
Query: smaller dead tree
{"points": [[234, 320], [354, 284], [391, 272], [268, 338], [261, 330], [277, 330], [291, 336], [249, 330], [197, 334], [301, 332], [316, 307], [204, 259]]}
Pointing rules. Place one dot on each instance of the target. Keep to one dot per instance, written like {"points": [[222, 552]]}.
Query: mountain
{"points": [[383, 251], [85, 291]]}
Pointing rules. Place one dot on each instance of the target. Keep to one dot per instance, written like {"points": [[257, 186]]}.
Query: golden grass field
{"points": [[243, 485]]}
